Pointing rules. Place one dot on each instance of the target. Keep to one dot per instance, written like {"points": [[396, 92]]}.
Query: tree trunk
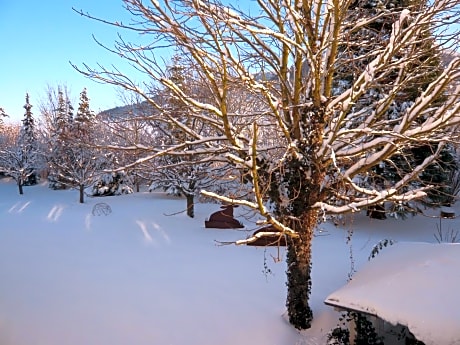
{"points": [[20, 184], [299, 272], [190, 205], [82, 194], [301, 177]]}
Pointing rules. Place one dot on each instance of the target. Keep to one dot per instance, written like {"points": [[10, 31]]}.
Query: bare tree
{"points": [[9, 134], [325, 143], [129, 126], [6, 131], [13, 164]]}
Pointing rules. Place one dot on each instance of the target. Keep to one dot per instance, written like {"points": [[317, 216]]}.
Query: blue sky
{"points": [[39, 38]]}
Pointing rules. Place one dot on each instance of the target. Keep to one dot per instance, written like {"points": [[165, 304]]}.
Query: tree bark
{"points": [[82, 194], [299, 284], [190, 205], [299, 263], [301, 176], [20, 184]]}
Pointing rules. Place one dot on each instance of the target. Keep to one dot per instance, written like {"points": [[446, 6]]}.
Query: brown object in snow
{"points": [[223, 219]]}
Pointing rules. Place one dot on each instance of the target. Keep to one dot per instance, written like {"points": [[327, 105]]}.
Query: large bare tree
{"points": [[327, 132]]}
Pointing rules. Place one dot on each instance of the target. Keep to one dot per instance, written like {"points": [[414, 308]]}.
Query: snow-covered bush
{"points": [[115, 183]]}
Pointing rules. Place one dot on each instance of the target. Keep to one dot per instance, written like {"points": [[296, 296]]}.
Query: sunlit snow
{"points": [[147, 274]]}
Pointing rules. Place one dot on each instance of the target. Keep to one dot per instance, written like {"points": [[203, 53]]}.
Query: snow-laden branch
{"points": [[356, 206], [254, 206], [264, 83], [397, 39]]}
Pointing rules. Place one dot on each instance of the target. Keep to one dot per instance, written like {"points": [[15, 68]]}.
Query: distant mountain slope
{"points": [[127, 111]]}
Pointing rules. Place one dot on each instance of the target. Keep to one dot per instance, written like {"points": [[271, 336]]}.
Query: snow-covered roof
{"points": [[413, 284]]}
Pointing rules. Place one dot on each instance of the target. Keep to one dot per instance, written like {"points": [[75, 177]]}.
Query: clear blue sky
{"points": [[39, 38]]}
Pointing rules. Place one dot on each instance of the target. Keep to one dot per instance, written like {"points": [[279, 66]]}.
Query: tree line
{"points": [[87, 151]]}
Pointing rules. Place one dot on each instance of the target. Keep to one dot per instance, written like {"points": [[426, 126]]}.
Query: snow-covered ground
{"points": [[146, 274]]}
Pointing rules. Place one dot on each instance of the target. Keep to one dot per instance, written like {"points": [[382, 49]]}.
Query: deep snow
{"points": [[146, 274], [413, 284]]}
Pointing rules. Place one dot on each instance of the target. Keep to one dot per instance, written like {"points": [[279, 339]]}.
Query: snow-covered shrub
{"points": [[169, 189], [115, 183], [400, 210]]}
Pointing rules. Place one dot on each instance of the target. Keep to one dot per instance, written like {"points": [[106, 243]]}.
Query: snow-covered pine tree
{"points": [[69, 108], [84, 114], [176, 178], [60, 123], [82, 161], [63, 111], [19, 159], [28, 145]]}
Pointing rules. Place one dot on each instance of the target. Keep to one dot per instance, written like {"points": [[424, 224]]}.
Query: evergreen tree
{"points": [[28, 145], [62, 113], [84, 114], [364, 42], [69, 109], [125, 128], [82, 161], [58, 146], [19, 159]]}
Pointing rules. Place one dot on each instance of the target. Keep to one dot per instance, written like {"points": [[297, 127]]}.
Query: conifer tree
{"points": [[27, 143], [421, 71], [61, 122], [82, 162], [84, 114], [70, 115], [20, 159]]}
